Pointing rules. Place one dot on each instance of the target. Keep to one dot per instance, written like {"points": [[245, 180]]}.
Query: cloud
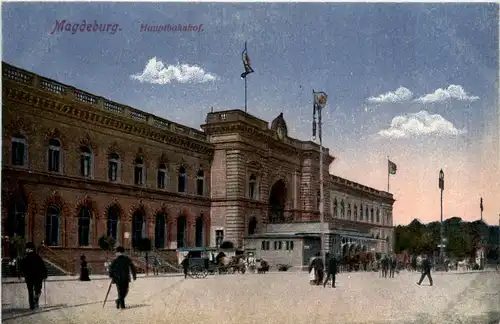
{"points": [[420, 124], [452, 92], [157, 73], [400, 95]]}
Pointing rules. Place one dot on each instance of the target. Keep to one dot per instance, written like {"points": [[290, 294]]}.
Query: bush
{"points": [[107, 243]]}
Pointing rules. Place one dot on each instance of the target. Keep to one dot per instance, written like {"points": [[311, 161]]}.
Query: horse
{"points": [[463, 265]]}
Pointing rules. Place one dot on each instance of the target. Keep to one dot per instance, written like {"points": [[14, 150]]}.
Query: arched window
{"points": [[199, 232], [19, 150], [252, 187], [361, 212], [84, 220], [181, 232], [139, 171], [85, 162], [113, 218], [160, 230], [113, 167], [378, 215], [335, 208], [349, 211], [137, 227], [367, 215], [181, 180], [161, 178], [200, 182], [372, 216], [342, 209], [54, 155], [355, 212], [52, 225], [252, 226]]}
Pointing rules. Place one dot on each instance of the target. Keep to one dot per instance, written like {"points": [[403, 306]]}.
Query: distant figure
{"points": [[385, 266], [119, 272], [185, 266], [426, 271], [35, 272], [156, 266], [331, 270], [318, 267], [84, 270], [393, 266]]}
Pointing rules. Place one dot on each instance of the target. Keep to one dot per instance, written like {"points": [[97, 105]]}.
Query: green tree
{"points": [[106, 243]]}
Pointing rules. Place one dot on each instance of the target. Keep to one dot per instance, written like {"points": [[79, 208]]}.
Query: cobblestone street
{"points": [[271, 298]]}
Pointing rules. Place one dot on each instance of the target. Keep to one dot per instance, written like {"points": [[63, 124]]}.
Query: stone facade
{"points": [[226, 182]]}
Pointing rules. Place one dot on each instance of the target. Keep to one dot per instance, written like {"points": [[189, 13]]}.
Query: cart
{"points": [[200, 264]]}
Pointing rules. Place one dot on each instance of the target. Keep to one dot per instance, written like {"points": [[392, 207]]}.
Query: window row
{"points": [[54, 154], [365, 213], [53, 222], [278, 245]]}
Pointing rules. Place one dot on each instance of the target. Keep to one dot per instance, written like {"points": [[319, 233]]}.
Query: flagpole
{"points": [[388, 174], [245, 82]]}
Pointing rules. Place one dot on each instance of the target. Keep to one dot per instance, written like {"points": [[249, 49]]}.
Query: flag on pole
{"points": [[319, 103], [392, 167], [481, 204], [246, 63]]}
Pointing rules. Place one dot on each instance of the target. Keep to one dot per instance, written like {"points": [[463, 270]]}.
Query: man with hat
{"points": [[35, 272], [119, 272]]}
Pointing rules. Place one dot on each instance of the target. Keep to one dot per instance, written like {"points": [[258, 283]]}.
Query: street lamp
{"points": [[441, 242]]}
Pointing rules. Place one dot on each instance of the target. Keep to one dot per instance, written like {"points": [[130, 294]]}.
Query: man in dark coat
{"points": [[185, 266], [392, 266], [119, 272], [426, 271], [35, 272], [331, 270]]}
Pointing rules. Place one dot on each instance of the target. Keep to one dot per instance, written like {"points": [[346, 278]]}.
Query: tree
{"points": [[106, 243], [144, 245]]}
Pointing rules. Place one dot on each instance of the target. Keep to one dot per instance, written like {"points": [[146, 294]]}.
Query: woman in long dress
{"points": [[84, 270]]}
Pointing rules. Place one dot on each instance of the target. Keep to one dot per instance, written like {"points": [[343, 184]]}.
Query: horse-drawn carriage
{"points": [[205, 261]]}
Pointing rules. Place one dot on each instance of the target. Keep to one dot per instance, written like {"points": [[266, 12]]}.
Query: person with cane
{"points": [[119, 272], [35, 272]]}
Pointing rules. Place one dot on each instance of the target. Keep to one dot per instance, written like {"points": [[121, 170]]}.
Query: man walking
{"points": [[119, 272], [185, 266], [331, 269], [426, 271], [393, 266], [35, 272]]}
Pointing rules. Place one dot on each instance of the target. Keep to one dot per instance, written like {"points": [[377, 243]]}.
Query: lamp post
{"points": [[441, 242]]}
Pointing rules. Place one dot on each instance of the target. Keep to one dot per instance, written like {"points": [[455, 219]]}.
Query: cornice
{"points": [[106, 120], [98, 186]]}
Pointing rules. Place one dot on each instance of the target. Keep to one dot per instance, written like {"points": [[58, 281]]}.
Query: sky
{"points": [[415, 82]]}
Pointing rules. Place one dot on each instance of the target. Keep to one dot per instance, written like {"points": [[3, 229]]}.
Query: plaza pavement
{"points": [[272, 298]]}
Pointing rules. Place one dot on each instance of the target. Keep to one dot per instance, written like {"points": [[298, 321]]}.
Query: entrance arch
{"points": [[199, 231], [252, 226], [181, 231], [160, 221], [137, 226], [16, 217], [277, 200]]}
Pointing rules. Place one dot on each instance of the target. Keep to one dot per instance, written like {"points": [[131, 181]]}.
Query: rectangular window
{"points": [[291, 245], [161, 180], [278, 245], [54, 158], [18, 149], [112, 171], [251, 189], [85, 165], [138, 175], [199, 187], [263, 245], [219, 237]]}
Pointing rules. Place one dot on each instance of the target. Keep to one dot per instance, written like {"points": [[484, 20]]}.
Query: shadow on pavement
{"points": [[136, 306], [16, 313]]}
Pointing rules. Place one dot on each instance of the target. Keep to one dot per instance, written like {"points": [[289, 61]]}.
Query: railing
{"points": [[30, 79], [66, 265]]}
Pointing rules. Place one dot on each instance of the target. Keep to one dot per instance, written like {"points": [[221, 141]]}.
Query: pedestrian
{"points": [[119, 272], [331, 270], [84, 270], [185, 266], [318, 266], [35, 272], [156, 266], [426, 271], [393, 267]]}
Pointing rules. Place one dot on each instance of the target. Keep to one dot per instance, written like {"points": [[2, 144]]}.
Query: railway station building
{"points": [[76, 166]]}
